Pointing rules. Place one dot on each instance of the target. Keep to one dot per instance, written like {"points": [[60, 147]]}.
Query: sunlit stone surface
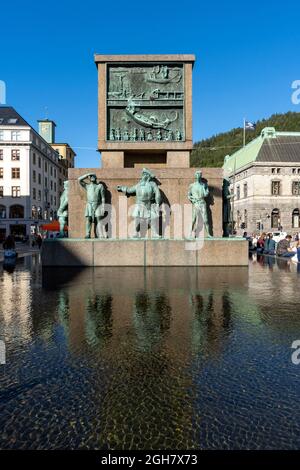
{"points": [[162, 358]]}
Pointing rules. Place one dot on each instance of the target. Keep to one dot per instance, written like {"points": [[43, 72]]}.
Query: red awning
{"points": [[53, 226]]}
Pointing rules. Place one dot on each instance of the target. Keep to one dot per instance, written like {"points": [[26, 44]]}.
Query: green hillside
{"points": [[211, 152]]}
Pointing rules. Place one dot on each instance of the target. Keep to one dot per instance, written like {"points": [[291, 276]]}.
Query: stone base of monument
{"points": [[145, 252]]}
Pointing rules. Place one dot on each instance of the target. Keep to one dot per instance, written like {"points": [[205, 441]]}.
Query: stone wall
{"points": [[173, 183], [208, 252]]}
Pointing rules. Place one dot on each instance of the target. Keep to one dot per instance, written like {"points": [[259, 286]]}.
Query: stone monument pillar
{"points": [[145, 120]]}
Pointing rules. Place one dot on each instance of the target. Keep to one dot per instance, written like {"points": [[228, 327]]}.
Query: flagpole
{"points": [[244, 133], [233, 196]]}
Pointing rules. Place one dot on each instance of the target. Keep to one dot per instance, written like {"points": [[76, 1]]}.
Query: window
{"points": [[34, 176], [275, 190], [54, 172], [55, 201], [51, 185], [1, 135], [51, 200], [238, 192], [39, 178], [295, 218], [40, 162], [15, 191], [1, 191], [1, 172], [296, 188], [16, 212], [15, 173], [33, 193], [278, 170], [15, 135], [46, 166], [54, 186], [294, 171], [245, 190], [51, 171], [2, 212], [273, 170], [33, 158], [15, 154], [12, 121], [39, 195], [1, 154], [46, 181], [275, 218], [298, 171]]}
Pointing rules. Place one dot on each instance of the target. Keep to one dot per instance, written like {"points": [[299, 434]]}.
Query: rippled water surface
{"points": [[162, 358]]}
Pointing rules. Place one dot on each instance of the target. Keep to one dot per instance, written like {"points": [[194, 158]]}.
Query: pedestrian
{"points": [[39, 241], [261, 243], [270, 245], [9, 243], [284, 249]]}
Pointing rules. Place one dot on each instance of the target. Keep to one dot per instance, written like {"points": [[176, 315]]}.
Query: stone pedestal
{"points": [[173, 184], [143, 252]]}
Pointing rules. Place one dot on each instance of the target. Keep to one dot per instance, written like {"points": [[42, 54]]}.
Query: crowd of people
{"points": [[264, 243]]}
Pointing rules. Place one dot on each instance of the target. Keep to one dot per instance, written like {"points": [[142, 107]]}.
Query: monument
{"points": [[145, 126], [94, 210], [148, 199], [62, 212], [198, 192]]}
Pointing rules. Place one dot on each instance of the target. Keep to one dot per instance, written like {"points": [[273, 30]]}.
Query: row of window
{"points": [[15, 173], [275, 189], [39, 179], [15, 154], [39, 160], [16, 211], [14, 135], [37, 195], [275, 218], [295, 171], [15, 191]]}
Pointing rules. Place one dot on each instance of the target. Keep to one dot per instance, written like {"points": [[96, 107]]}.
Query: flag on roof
{"points": [[250, 125]]}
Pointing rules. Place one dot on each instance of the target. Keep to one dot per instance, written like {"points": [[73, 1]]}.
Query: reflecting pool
{"points": [[161, 358]]}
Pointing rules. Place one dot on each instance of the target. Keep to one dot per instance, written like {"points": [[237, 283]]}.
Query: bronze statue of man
{"points": [[63, 210], [94, 210], [148, 200], [198, 192]]}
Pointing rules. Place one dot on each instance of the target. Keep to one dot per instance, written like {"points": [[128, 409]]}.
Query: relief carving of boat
{"points": [[150, 121], [163, 75]]}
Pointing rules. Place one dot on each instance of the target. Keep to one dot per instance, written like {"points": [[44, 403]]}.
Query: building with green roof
{"points": [[265, 182]]}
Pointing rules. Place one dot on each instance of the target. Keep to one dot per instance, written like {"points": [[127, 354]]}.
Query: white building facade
{"points": [[30, 171], [265, 182]]}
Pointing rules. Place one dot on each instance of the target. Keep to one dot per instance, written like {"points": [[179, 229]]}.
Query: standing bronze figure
{"points": [[63, 210], [148, 200], [198, 192], [95, 206]]}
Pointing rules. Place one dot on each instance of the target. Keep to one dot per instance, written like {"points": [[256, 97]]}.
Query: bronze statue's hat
{"points": [[145, 171]]}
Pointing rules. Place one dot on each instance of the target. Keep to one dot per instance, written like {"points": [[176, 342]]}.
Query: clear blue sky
{"points": [[247, 57]]}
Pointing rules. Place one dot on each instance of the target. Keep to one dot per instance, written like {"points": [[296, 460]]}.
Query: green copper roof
{"points": [[270, 146]]}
